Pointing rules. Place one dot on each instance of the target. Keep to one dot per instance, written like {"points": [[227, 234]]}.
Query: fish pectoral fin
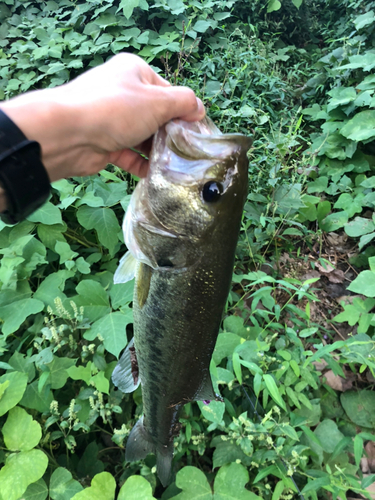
{"points": [[126, 269], [206, 391], [125, 376]]}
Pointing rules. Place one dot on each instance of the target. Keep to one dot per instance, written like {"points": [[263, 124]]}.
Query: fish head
{"points": [[196, 186]]}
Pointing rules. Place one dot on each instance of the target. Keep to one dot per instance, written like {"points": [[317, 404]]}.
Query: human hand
{"points": [[94, 119]]}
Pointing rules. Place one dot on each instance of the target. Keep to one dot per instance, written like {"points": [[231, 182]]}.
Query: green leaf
{"points": [[334, 221], [105, 223], [227, 452], [202, 26], [13, 315], [80, 372], [36, 491], [121, 294], [47, 214], [36, 400], [328, 434], [368, 481], [193, 483], [20, 470], [362, 126], [62, 485], [279, 487], [316, 484], [102, 487], [136, 488], [358, 449], [360, 407], [225, 345], [237, 366], [364, 20], [128, 6], [112, 328], [213, 412], [93, 298], [20, 431], [273, 390], [359, 226], [230, 484], [13, 393], [58, 374], [65, 252], [341, 96], [52, 287], [364, 61], [100, 382], [364, 284], [273, 5]]}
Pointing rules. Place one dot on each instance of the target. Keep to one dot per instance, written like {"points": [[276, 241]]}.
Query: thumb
{"points": [[183, 103]]}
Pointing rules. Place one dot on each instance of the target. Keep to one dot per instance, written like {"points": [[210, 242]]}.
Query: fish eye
{"points": [[212, 191]]}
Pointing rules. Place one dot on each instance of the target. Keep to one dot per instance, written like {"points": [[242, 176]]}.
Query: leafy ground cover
{"points": [[294, 360]]}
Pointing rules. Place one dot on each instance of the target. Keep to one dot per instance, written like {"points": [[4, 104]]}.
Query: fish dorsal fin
{"points": [[206, 391], [125, 375], [126, 269]]}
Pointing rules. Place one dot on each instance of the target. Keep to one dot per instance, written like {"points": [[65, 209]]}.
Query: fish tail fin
{"points": [[139, 443], [164, 455]]}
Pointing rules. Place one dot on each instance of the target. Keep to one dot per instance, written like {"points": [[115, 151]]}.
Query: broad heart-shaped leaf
{"points": [[340, 96], [273, 5], [102, 487], [52, 287], [136, 488], [47, 214], [20, 470], [14, 391], [213, 412], [364, 20], [365, 61], [227, 452], [364, 284], [20, 431], [328, 434], [112, 328], [104, 221], [361, 127], [58, 371], [36, 400], [36, 491], [93, 298], [128, 6], [359, 226], [297, 3], [121, 294], [334, 221], [360, 407], [230, 484], [194, 484], [62, 486], [15, 314]]}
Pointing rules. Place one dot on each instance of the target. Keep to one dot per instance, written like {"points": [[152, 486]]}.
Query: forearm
{"points": [[43, 117]]}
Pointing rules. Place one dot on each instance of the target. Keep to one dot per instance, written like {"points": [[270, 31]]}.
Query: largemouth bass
{"points": [[181, 230]]}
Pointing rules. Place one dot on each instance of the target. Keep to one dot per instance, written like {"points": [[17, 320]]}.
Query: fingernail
{"points": [[200, 106]]}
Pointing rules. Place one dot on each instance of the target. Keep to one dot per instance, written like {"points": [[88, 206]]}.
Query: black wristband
{"points": [[22, 173]]}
